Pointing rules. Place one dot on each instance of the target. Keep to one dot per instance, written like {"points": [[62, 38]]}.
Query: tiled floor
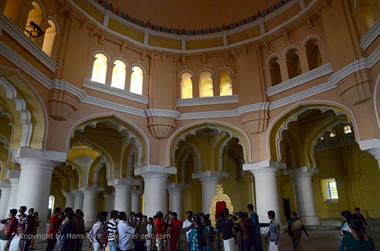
{"points": [[319, 241]]}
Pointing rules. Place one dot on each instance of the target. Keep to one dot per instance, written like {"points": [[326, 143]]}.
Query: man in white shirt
{"points": [[187, 225], [126, 232]]}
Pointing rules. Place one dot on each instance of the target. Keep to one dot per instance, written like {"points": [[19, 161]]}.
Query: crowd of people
{"points": [[122, 232]]}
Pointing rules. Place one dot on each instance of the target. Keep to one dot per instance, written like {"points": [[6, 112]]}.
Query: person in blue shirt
{"points": [[255, 227]]}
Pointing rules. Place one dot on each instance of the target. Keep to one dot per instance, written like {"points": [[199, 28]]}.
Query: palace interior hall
{"points": [[174, 105]]}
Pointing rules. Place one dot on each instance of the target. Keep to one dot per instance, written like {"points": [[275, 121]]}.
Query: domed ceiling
{"points": [[191, 14]]}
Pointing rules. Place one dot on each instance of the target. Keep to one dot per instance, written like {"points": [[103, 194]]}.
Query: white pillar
{"points": [[14, 177], [90, 196], [209, 181], [109, 202], [123, 193], [135, 205], [371, 146], [154, 187], [70, 199], [175, 198], [78, 200], [5, 188], [302, 178], [267, 198], [35, 179]]}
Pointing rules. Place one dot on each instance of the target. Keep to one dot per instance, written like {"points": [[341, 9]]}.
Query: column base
{"points": [[310, 220]]}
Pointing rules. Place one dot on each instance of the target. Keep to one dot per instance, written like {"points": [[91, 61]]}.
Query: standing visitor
{"points": [[112, 230], [295, 229], [29, 227], [195, 238], [274, 232], [55, 223], [140, 232], [345, 228], [358, 240], [207, 234], [175, 231], [98, 233], [225, 225], [255, 229], [9, 230], [59, 245], [159, 228], [80, 229], [245, 230], [188, 224], [149, 230], [68, 232], [361, 217], [37, 222], [18, 241], [125, 231]]}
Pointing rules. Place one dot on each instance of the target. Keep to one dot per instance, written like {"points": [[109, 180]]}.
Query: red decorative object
{"points": [[220, 205]]}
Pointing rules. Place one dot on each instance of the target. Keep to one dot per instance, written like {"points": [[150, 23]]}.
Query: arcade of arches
{"points": [[97, 113]]}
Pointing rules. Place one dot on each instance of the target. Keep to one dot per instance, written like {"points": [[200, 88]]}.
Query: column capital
{"points": [[32, 157], [68, 194], [89, 190], [211, 176], [173, 187], [123, 183], [5, 185], [155, 171], [13, 175], [77, 192], [265, 167], [301, 172]]}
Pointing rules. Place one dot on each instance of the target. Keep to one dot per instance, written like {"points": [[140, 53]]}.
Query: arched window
{"points": [[118, 74], [293, 63], [137, 80], [50, 33], [314, 58], [205, 84], [186, 86], [51, 205], [275, 71], [225, 86], [99, 68], [34, 17]]}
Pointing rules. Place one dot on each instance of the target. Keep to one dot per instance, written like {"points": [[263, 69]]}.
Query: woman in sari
{"points": [[195, 237], [295, 229]]}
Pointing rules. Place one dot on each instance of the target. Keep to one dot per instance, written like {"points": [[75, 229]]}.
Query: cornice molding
{"points": [[371, 35], [105, 88], [208, 101], [14, 31], [300, 80]]}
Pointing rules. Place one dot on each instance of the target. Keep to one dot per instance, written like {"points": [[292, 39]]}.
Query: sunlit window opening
{"points": [[35, 16], [205, 84], [137, 80], [118, 74], [329, 190], [347, 129], [50, 33], [99, 69], [225, 84], [186, 86], [51, 205], [332, 134]]}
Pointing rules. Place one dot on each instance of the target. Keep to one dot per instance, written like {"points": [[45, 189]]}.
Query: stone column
{"points": [[209, 181], [78, 200], [13, 176], [175, 198], [267, 198], [135, 205], [70, 199], [155, 187], [302, 178], [5, 188], [35, 179], [123, 193], [90, 196], [109, 202]]}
